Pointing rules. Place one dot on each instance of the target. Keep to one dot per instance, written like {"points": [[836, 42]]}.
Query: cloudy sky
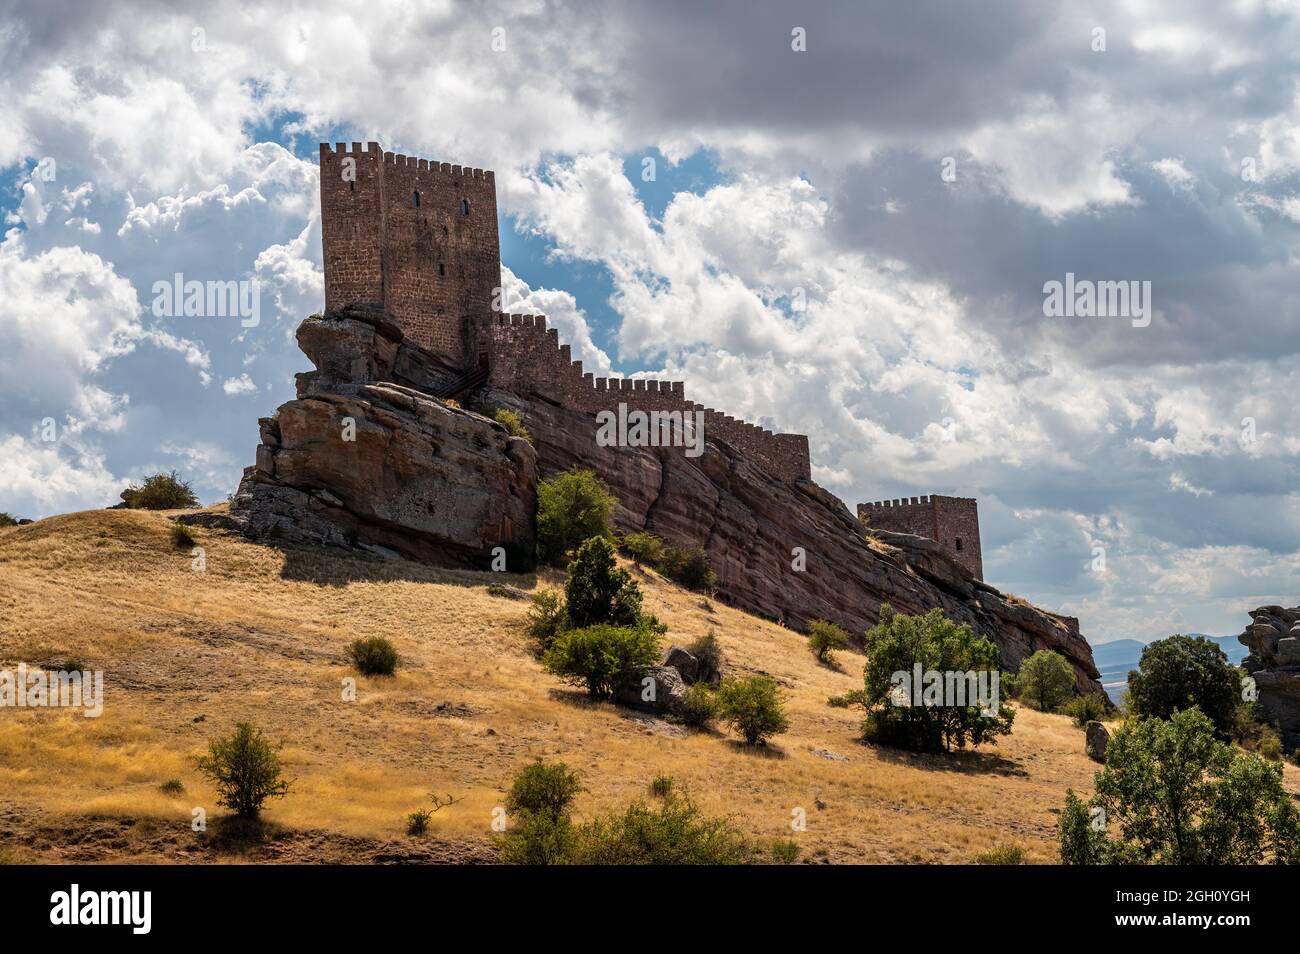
{"points": [[849, 240]]}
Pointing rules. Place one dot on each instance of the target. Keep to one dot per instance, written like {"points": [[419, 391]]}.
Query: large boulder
{"points": [[661, 690], [685, 663], [1096, 736], [1273, 638]]}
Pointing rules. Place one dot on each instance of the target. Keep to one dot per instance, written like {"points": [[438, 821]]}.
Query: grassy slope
{"points": [[260, 636]]}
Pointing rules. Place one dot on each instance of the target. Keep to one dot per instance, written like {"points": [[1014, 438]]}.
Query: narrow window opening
{"points": [[415, 199], [352, 185], [442, 269], [464, 206], [959, 544]]}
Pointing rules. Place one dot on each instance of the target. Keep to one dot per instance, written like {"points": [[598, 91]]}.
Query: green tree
{"points": [[599, 590], [824, 638], [245, 769], [546, 788], [160, 492], [602, 658], [895, 646], [753, 707], [1171, 793], [571, 507], [643, 548], [1045, 680], [1184, 671]]}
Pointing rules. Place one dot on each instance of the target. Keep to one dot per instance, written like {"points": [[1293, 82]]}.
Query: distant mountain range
{"points": [[1116, 658]]}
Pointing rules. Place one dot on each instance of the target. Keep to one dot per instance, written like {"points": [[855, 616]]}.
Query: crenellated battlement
{"points": [[951, 521]]}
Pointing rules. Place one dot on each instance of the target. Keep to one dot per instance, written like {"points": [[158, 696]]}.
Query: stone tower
{"points": [[413, 237], [951, 521]]}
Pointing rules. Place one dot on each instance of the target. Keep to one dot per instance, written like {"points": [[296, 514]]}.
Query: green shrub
{"points": [[602, 658], [1085, 709], [854, 697], [538, 839], [783, 851], [599, 590], [824, 638], [1252, 730], [245, 769], [1045, 680], [547, 618], [672, 831], [1184, 671], [181, 536], [708, 651], [160, 492], [1002, 854], [689, 568], [699, 706], [643, 548], [417, 823], [753, 707], [895, 646], [1172, 793], [173, 786], [510, 421], [373, 657], [7, 520], [661, 786], [543, 788], [571, 507]]}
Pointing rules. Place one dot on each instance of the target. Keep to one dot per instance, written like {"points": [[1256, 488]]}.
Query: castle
{"points": [[418, 241]]}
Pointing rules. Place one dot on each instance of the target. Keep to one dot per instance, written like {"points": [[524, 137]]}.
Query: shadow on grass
{"points": [[330, 566], [763, 750], [964, 761]]}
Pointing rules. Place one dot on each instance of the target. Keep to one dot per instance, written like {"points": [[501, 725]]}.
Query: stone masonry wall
{"points": [[415, 237], [950, 521]]}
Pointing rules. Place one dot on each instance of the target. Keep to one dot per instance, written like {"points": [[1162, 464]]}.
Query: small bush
{"points": [[1045, 680], [7, 520], [602, 658], [671, 832], [245, 769], [753, 707], [538, 839], [73, 664], [599, 590], [708, 651], [543, 788], [510, 421], [571, 508], [643, 548], [160, 492], [181, 537], [783, 851], [547, 618], [689, 568], [699, 706], [661, 786], [373, 657], [854, 697], [417, 823], [1002, 854], [824, 638], [173, 786], [1254, 733], [1085, 709]]}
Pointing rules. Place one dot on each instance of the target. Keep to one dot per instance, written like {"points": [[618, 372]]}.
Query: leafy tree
{"points": [[824, 638], [603, 658], [245, 769], [753, 707], [547, 618], [1045, 680], [689, 567], [643, 548], [896, 645], [1184, 671], [160, 492], [546, 788], [571, 507], [1171, 793], [599, 590]]}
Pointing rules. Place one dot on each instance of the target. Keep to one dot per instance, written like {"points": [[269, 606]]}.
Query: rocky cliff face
{"points": [[424, 479], [1273, 638]]}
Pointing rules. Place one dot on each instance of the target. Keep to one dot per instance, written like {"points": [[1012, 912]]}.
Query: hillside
{"points": [[260, 636]]}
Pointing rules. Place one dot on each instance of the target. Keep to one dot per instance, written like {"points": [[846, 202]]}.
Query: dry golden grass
{"points": [[260, 636]]}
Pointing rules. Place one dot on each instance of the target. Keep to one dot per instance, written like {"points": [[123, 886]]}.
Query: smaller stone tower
{"points": [[951, 521]]}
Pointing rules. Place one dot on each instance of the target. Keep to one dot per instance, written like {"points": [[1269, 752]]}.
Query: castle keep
{"points": [[952, 521]]}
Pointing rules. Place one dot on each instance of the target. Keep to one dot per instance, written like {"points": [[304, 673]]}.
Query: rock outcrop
{"points": [[436, 483], [1096, 738], [1273, 638]]}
